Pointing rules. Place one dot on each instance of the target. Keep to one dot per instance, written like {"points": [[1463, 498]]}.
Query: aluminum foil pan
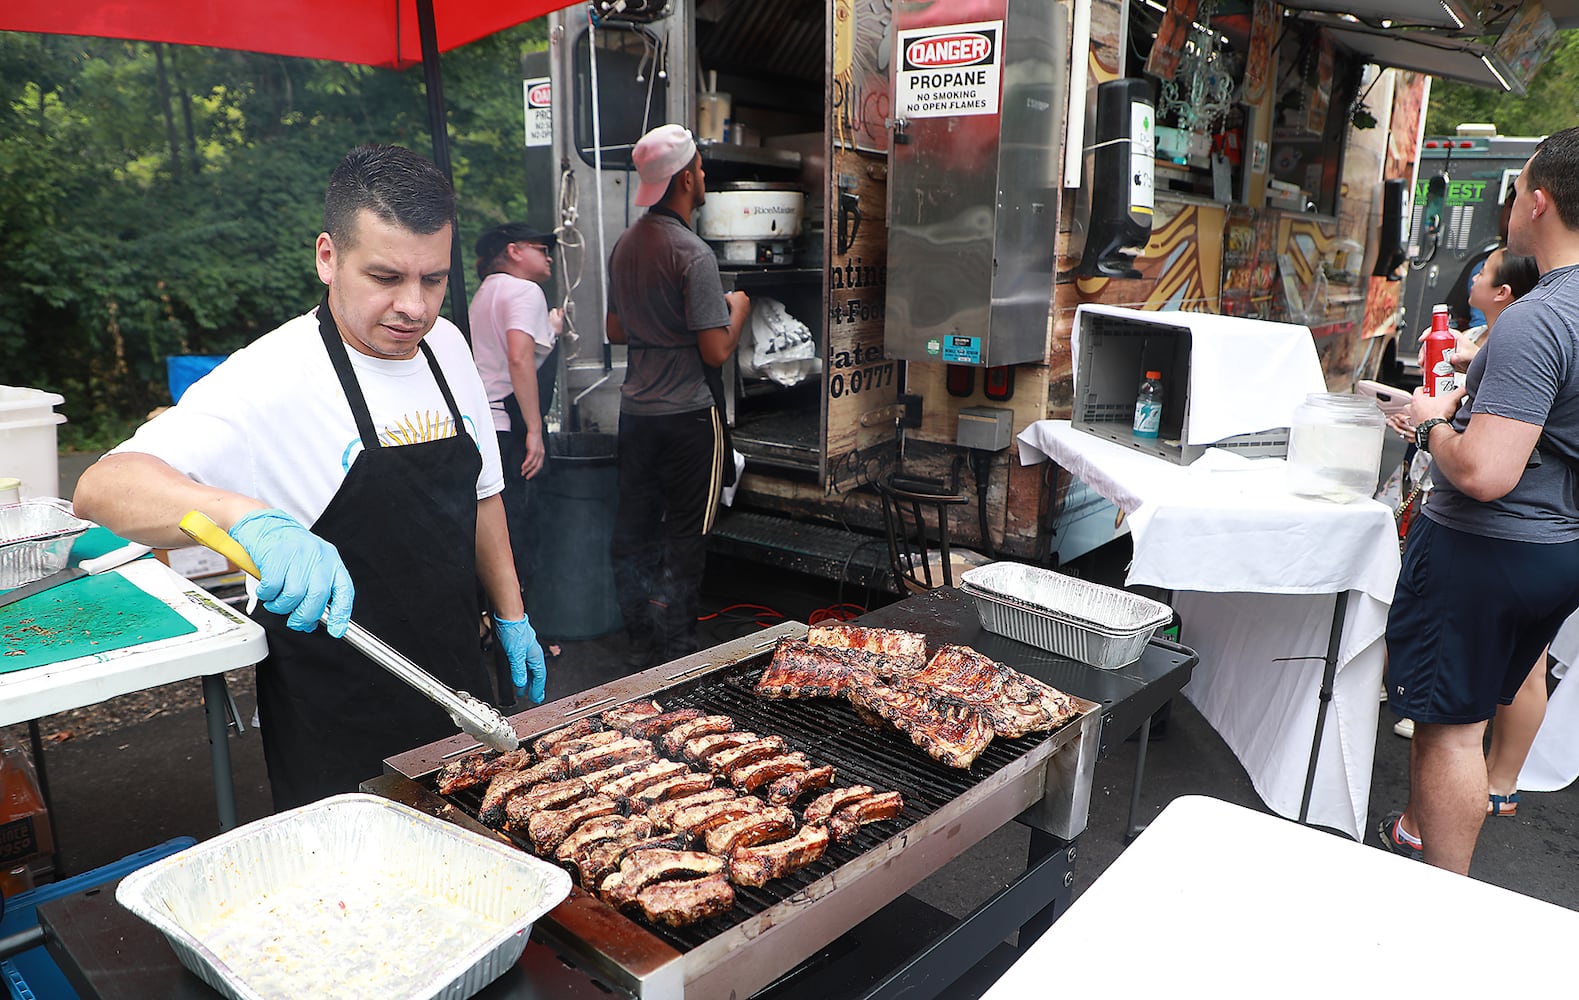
{"points": [[35, 539], [353, 896], [1097, 625]]}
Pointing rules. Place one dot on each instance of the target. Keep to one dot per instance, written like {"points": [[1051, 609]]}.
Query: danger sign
{"points": [[539, 112], [949, 70]]}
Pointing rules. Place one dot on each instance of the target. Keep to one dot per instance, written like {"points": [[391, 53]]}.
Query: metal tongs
{"points": [[474, 716]]}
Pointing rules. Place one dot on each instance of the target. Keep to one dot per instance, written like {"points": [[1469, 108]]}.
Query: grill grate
{"points": [[829, 732]]}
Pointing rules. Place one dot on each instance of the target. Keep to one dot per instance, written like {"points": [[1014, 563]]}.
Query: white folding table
{"points": [[224, 640], [1285, 600], [1214, 899]]}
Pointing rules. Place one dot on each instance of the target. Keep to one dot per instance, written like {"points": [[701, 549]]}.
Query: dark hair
{"points": [[1518, 272], [674, 179], [1554, 168], [392, 182]]}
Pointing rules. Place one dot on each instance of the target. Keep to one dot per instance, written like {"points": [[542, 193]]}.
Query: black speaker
{"points": [[1390, 252], [1121, 179]]}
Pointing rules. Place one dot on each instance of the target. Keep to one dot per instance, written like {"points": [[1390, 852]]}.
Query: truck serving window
{"points": [[631, 94]]}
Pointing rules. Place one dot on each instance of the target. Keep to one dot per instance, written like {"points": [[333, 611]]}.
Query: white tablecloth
{"points": [[1256, 571], [1215, 900]]}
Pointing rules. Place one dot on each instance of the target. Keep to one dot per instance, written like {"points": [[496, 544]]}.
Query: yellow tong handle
{"points": [[201, 529]]}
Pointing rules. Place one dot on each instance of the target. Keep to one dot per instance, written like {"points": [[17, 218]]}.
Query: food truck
{"points": [[918, 197]]}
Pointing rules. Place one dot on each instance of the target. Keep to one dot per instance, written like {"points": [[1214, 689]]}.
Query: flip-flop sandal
{"points": [[1503, 805]]}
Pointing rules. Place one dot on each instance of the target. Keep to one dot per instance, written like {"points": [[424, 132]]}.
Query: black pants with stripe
{"points": [[669, 481]]}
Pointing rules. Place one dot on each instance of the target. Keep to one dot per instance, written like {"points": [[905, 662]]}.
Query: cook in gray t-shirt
{"points": [[664, 287], [1526, 372]]}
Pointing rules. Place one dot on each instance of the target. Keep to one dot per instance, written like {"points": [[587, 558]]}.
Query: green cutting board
{"points": [[92, 614]]}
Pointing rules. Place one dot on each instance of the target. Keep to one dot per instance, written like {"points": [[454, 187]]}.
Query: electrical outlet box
{"points": [[990, 428]]}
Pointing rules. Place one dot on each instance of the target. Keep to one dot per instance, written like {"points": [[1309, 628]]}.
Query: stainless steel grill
{"points": [[1045, 780]]}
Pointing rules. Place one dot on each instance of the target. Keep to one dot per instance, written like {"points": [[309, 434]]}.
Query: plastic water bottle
{"points": [[1148, 406], [1440, 378]]}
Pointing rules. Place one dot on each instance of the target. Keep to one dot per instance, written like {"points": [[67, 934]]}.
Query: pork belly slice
{"points": [[576, 744], [766, 824], [792, 786], [726, 761], [828, 803], [801, 670], [678, 903], [548, 828], [654, 726], [679, 786], [673, 742], [951, 732], [609, 827], [698, 820], [508, 784], [656, 770], [477, 768], [962, 673], [699, 748], [598, 779], [846, 822], [641, 868], [750, 777], [594, 864], [544, 745], [518, 808], [623, 715], [755, 865], [905, 652], [610, 754], [662, 813]]}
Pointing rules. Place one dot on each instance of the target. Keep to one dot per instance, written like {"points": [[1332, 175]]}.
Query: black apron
{"points": [[405, 523]]}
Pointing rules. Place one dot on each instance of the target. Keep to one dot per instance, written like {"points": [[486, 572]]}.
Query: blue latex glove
{"points": [[300, 574], [527, 668]]}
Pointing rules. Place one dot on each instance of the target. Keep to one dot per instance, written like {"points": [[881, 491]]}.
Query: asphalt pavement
{"points": [[149, 779]]}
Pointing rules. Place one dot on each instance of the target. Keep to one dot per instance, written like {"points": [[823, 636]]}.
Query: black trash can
{"points": [[571, 593]]}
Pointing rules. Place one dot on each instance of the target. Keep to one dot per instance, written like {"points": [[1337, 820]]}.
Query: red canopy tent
{"points": [[390, 33]]}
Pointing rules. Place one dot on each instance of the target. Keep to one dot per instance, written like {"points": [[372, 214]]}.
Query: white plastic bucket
{"points": [[28, 448]]}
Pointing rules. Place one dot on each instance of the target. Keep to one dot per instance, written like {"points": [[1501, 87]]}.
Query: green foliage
{"points": [[1552, 103], [120, 247]]}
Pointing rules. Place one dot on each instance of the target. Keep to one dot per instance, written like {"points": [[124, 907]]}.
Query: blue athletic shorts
{"points": [[1468, 619]]}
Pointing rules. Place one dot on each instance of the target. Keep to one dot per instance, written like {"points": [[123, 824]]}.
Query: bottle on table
{"points": [[1148, 406], [24, 820], [1439, 376]]}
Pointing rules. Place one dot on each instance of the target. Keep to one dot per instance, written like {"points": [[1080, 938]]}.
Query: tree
{"points": [[1551, 104], [142, 217]]}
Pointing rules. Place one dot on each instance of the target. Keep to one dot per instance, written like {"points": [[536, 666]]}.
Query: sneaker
{"points": [[1404, 728], [1388, 832]]}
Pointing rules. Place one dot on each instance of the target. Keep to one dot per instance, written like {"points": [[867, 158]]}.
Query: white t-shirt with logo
{"points": [[272, 421]]}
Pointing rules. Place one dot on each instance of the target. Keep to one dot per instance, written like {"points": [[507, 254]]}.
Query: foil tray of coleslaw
{"points": [[352, 896]]}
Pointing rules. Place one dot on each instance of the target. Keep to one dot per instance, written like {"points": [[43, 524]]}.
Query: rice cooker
{"points": [[753, 222]]}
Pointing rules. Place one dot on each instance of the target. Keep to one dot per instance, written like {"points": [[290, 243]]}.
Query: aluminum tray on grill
{"points": [[1085, 621], [351, 896], [35, 539]]}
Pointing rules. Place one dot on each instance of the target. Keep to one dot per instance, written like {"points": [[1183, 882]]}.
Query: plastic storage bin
{"points": [[33, 973], [28, 448], [1115, 352]]}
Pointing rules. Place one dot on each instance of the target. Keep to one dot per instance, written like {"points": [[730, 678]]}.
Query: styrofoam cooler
{"points": [[28, 447]]}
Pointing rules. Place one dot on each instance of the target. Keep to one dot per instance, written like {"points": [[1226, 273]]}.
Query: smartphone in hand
{"points": [[1390, 400]]}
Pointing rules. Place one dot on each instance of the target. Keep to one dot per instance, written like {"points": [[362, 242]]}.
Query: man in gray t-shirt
{"points": [[1492, 570], [667, 305]]}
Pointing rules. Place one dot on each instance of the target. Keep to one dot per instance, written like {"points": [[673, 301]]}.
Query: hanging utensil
{"points": [[474, 716]]}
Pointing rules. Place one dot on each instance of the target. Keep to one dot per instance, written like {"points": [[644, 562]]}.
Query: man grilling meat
{"points": [[366, 420], [667, 305]]}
